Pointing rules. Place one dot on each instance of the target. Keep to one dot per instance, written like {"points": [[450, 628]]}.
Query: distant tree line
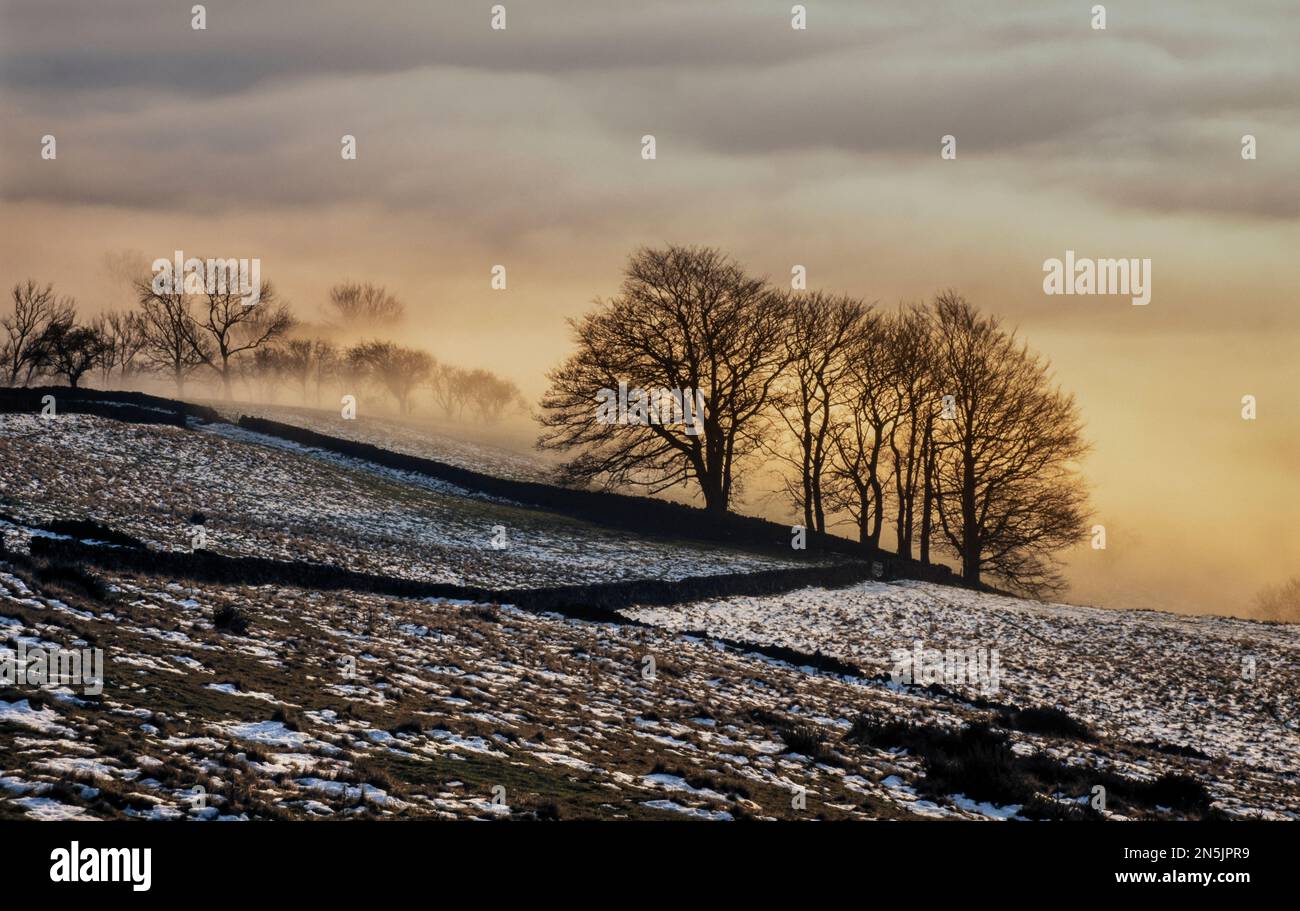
{"points": [[214, 335], [1279, 603], [933, 417]]}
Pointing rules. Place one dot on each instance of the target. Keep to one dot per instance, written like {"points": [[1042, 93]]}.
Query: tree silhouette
{"points": [[365, 307], [233, 327], [866, 422], [818, 338], [35, 310], [912, 341], [173, 341], [399, 370], [1007, 490], [123, 333], [71, 350], [686, 319]]}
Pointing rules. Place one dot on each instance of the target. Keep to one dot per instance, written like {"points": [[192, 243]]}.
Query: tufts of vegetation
{"points": [[229, 619], [978, 762], [70, 577], [1046, 720], [288, 717]]}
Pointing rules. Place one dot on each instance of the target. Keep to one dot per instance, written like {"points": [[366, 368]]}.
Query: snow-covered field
{"points": [[240, 702], [263, 497], [354, 704], [350, 704], [1221, 686], [404, 437]]}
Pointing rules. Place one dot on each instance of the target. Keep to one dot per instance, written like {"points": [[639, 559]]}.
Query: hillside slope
{"points": [[226, 699]]}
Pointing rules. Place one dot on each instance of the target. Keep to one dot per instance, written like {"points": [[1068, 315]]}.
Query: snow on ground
{"points": [[344, 704], [1223, 686], [290, 503], [401, 436], [21, 714], [373, 706], [379, 706]]}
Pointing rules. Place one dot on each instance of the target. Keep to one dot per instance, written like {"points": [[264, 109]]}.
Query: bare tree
{"points": [[491, 395], [818, 338], [447, 383], [365, 307], [234, 327], [1007, 490], [173, 341], [309, 363], [871, 411], [35, 310], [399, 370], [124, 336], [912, 347], [455, 389], [325, 361], [71, 350], [297, 361], [929, 463], [267, 372], [687, 319]]}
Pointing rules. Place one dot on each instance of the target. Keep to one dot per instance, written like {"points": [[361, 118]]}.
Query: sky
{"points": [[818, 147]]}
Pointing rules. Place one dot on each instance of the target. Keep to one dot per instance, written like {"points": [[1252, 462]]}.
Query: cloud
{"points": [[85, 45], [1147, 115]]}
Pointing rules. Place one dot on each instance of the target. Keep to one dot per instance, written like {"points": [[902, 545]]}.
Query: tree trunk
{"points": [[864, 524], [807, 495], [819, 512], [876, 521], [927, 494], [904, 539], [715, 498], [970, 542]]}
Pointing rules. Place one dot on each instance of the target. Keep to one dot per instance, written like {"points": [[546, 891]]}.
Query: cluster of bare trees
{"points": [[170, 333], [310, 366], [457, 390], [185, 332], [933, 415], [178, 334], [360, 308], [42, 337]]}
